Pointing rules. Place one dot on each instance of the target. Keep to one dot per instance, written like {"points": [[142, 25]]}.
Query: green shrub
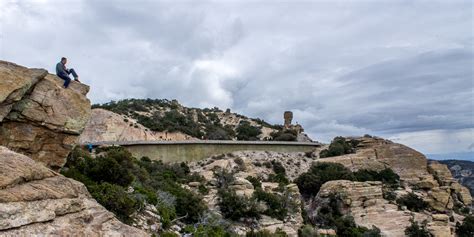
{"points": [[235, 207], [276, 204], [266, 233], [286, 135], [387, 176], [389, 195], [115, 199], [415, 230], [466, 229], [109, 175], [255, 181], [280, 173], [278, 178], [210, 231], [339, 146], [168, 234], [412, 202], [346, 226], [167, 214], [224, 178], [310, 182], [203, 189], [307, 231], [247, 132]]}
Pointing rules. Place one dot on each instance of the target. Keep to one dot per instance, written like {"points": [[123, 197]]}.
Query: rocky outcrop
{"points": [[35, 200], [38, 117], [462, 171], [413, 168], [107, 126], [255, 164], [365, 203], [376, 154]]}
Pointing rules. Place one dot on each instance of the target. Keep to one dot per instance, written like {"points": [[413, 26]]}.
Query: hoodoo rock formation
{"points": [[38, 117]]}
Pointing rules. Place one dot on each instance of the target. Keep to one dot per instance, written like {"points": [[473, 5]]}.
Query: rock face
{"points": [[38, 117], [377, 154], [412, 167], [258, 165], [462, 171], [35, 200], [106, 126], [365, 203]]}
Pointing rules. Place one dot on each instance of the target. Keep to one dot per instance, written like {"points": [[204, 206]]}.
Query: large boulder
{"points": [[35, 200], [377, 154], [38, 117]]}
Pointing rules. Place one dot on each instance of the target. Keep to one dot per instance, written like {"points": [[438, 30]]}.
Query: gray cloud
{"points": [[399, 69]]}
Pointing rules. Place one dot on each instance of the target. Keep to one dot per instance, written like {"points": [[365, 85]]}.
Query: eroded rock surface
{"points": [[107, 126], [365, 203], [35, 200], [435, 179], [38, 117]]}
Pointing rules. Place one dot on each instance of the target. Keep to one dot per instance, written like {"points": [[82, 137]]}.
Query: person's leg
{"points": [[67, 80], [74, 74]]}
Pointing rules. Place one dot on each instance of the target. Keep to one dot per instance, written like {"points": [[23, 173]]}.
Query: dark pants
{"points": [[66, 78]]}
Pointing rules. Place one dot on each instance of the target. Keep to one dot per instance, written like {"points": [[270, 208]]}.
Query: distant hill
{"points": [[463, 171], [453, 156], [162, 115]]}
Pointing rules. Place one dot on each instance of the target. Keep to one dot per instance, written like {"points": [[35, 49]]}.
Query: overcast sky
{"points": [[402, 70]]}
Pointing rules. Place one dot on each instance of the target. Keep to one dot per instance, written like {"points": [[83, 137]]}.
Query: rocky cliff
{"points": [[462, 171], [36, 201], [41, 119], [38, 117], [106, 125], [371, 204], [167, 117]]}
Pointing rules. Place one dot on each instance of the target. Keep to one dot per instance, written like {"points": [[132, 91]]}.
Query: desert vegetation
{"points": [[169, 116], [123, 184]]}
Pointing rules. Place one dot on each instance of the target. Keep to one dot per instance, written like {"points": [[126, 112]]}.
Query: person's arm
{"points": [[61, 69]]}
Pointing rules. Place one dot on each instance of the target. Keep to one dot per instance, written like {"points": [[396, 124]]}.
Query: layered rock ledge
{"points": [[38, 117], [35, 200]]}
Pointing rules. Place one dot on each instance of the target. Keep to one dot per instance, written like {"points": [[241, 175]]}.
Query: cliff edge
{"points": [[38, 117]]}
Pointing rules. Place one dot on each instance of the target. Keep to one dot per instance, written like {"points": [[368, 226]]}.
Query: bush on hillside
{"points": [[339, 146], [330, 216], [166, 115], [235, 207], [284, 135], [416, 230], [109, 175], [267, 233], [310, 182], [255, 181], [279, 175], [114, 198], [387, 176], [412, 202], [466, 229], [276, 204], [247, 132]]}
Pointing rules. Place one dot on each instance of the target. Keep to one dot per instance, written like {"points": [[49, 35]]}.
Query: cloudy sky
{"points": [[398, 69]]}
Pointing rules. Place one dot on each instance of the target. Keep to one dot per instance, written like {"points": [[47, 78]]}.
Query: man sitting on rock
{"points": [[63, 72]]}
